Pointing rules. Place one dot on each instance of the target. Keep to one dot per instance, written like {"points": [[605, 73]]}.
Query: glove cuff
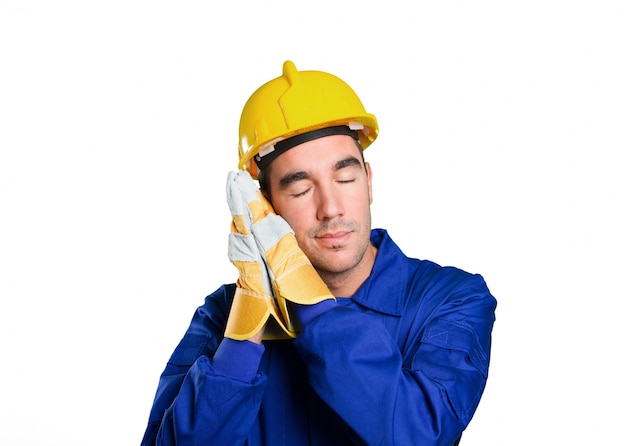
{"points": [[248, 314]]}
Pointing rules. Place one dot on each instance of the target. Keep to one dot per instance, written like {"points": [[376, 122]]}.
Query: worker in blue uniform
{"points": [[331, 334]]}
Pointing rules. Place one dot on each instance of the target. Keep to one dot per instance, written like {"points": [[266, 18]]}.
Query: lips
{"points": [[334, 238]]}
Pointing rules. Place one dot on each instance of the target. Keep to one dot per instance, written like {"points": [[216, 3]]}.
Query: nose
{"points": [[329, 202]]}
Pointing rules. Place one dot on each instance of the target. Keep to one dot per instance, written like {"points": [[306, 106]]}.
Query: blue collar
{"points": [[385, 289]]}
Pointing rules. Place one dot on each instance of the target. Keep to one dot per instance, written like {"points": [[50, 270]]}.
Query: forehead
{"points": [[318, 154]]}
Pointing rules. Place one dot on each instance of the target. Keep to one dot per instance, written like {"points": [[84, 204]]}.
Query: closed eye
{"points": [[300, 194]]}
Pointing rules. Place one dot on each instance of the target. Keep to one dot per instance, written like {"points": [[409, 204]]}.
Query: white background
{"points": [[500, 152]]}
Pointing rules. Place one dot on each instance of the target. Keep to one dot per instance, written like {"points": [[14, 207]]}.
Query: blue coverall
{"points": [[404, 361]]}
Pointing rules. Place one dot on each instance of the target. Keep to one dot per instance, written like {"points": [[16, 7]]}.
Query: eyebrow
{"points": [[348, 162], [291, 178]]}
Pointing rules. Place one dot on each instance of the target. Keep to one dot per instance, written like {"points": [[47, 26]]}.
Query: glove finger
{"points": [[244, 254], [242, 248], [233, 197], [238, 206], [258, 206], [269, 231], [246, 186]]}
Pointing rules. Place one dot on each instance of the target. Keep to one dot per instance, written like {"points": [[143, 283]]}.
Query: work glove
{"points": [[292, 276], [253, 302]]}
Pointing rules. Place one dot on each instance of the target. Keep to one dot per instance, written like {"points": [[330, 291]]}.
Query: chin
{"points": [[337, 262]]}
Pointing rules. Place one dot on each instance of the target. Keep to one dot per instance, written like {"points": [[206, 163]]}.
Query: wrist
{"points": [[238, 359]]}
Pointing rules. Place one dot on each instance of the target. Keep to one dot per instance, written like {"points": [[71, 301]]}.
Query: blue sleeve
{"points": [[197, 404], [211, 409], [422, 379]]}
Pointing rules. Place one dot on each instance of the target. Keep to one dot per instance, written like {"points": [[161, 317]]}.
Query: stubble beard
{"points": [[326, 263]]}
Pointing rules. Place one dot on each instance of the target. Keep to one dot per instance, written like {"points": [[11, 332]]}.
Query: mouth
{"points": [[334, 239]]}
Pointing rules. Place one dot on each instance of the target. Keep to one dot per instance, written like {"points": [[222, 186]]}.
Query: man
{"points": [[331, 335]]}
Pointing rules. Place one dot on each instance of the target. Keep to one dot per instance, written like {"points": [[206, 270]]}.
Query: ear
{"points": [[266, 195], [368, 170]]}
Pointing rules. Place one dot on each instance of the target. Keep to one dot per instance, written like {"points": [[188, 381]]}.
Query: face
{"points": [[324, 191]]}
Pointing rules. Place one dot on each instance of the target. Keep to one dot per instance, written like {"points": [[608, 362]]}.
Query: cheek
{"points": [[297, 222], [301, 229], [292, 215], [359, 200]]}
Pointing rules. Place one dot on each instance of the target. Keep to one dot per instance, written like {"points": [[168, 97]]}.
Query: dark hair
{"points": [[264, 183]]}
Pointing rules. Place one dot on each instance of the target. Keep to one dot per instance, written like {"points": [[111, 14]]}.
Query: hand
{"points": [[293, 276], [254, 301]]}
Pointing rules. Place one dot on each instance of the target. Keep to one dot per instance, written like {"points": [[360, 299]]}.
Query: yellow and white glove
{"points": [[254, 301], [292, 276]]}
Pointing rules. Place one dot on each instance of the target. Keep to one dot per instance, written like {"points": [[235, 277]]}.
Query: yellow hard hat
{"points": [[295, 103]]}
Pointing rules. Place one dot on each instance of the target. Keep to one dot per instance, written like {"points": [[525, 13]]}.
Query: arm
{"points": [[209, 393], [202, 395], [425, 393]]}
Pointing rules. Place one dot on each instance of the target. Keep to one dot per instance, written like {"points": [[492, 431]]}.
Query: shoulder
{"points": [[439, 285], [218, 302]]}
